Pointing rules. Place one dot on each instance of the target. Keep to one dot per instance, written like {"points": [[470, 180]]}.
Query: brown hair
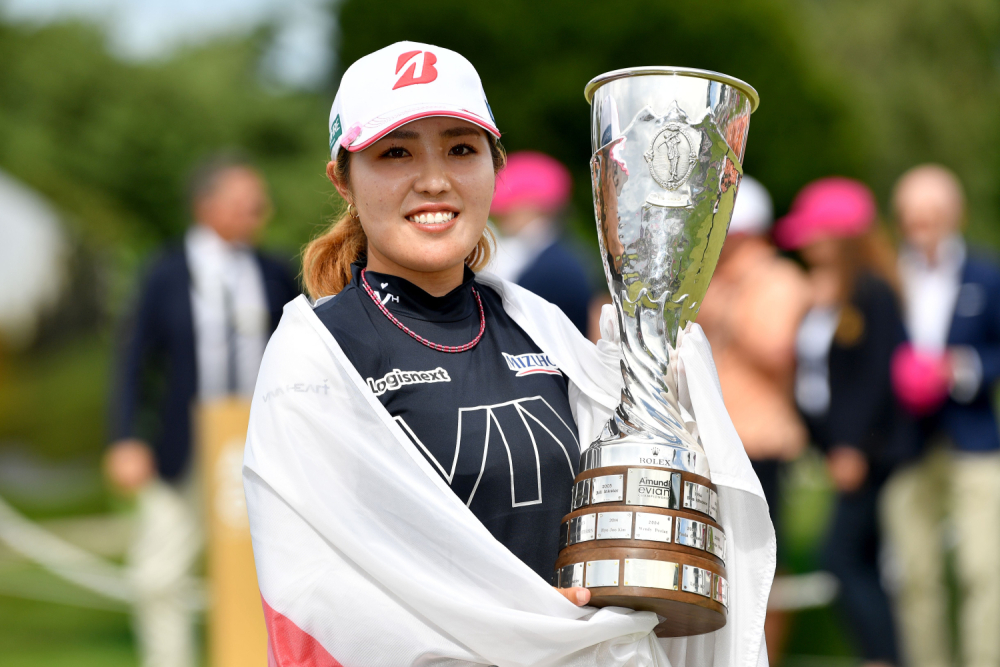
{"points": [[327, 259], [871, 252]]}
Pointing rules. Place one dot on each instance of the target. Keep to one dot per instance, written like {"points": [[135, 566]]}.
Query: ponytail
{"points": [[327, 259]]}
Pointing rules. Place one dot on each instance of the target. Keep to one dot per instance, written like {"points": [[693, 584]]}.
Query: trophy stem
{"points": [[650, 406]]}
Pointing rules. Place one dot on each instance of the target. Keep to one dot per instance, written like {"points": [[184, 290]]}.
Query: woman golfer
{"points": [[416, 428]]}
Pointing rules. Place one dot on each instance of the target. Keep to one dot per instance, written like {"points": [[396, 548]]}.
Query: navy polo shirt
{"points": [[493, 421]]}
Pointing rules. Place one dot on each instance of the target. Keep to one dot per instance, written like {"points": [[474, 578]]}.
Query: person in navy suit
{"points": [[843, 390], [205, 311], [946, 375], [532, 190]]}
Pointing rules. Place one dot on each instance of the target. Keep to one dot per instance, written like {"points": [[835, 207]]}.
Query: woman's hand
{"points": [[848, 467], [129, 465], [577, 595]]}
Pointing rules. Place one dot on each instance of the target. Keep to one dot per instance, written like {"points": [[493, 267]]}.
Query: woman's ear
{"points": [[331, 173]]}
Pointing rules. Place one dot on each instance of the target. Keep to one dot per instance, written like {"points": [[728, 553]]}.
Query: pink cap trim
{"points": [[476, 120]]}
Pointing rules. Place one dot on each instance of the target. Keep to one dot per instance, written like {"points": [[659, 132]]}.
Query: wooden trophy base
{"points": [[682, 613], [648, 539]]}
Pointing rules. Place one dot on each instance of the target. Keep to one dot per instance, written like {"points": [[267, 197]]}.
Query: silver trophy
{"points": [[644, 528]]}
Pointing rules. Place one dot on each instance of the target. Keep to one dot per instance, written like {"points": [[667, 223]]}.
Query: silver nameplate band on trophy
{"points": [[652, 574], [645, 573], [601, 573], [644, 526], [607, 489], [581, 494], [720, 593], [614, 525], [646, 486], [658, 488], [653, 527], [696, 580]]}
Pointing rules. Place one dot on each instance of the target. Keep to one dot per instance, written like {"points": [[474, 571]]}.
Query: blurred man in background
{"points": [[205, 311], [750, 315], [947, 375], [532, 191]]}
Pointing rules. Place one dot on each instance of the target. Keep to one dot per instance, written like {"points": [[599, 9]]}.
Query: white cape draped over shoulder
{"points": [[366, 557]]}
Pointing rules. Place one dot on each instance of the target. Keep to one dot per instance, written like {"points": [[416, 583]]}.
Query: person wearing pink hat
{"points": [[532, 191], [750, 315], [843, 388], [946, 375]]}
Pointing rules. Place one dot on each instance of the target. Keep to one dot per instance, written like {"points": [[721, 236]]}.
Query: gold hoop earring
{"points": [[352, 210]]}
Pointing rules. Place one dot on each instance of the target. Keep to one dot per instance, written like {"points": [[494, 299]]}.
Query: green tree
{"points": [[111, 144], [535, 59], [924, 84]]}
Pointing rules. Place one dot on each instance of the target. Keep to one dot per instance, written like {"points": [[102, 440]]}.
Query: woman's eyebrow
{"points": [[460, 131], [402, 134]]}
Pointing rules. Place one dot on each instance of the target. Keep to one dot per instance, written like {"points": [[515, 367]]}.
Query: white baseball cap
{"points": [[402, 83], [753, 212]]}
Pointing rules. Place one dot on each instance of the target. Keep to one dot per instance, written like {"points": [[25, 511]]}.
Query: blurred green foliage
{"points": [[111, 142], [535, 58], [847, 87], [923, 80]]}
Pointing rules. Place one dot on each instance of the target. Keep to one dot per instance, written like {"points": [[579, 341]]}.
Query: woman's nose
{"points": [[433, 179]]}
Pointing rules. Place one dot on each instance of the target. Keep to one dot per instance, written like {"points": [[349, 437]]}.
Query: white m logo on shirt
{"points": [[525, 430]]}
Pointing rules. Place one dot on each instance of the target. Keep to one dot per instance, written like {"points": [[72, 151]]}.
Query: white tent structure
{"points": [[33, 252]]}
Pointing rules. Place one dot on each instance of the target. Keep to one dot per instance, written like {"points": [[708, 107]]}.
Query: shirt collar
{"points": [[206, 239], [951, 253], [402, 297]]}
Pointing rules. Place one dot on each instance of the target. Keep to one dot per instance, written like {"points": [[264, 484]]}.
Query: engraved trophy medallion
{"points": [[644, 530]]}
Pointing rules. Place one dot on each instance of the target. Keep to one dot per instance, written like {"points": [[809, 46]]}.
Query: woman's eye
{"points": [[462, 149], [395, 152]]}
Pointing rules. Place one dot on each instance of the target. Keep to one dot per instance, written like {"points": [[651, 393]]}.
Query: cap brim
{"points": [[461, 115]]}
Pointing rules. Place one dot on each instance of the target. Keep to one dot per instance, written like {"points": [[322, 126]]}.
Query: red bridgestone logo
{"points": [[427, 71]]}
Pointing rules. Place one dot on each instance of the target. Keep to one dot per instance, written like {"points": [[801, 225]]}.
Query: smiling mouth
{"points": [[437, 218]]}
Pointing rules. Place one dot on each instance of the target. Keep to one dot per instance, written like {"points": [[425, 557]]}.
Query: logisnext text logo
{"points": [[396, 378]]}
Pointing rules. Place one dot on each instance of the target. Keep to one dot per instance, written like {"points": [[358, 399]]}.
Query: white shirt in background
{"points": [[930, 296], [812, 348], [222, 272], [930, 293]]}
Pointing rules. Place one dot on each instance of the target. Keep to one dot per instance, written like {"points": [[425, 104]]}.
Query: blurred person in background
{"points": [[751, 315], [532, 192], [843, 388], [205, 311], [946, 375]]}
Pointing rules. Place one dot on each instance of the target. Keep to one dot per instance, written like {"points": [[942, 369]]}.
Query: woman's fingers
{"points": [[577, 595]]}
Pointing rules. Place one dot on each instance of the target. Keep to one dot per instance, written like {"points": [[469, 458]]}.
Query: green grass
{"points": [[46, 634]]}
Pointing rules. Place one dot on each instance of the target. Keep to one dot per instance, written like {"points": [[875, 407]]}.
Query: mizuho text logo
{"points": [[530, 364]]}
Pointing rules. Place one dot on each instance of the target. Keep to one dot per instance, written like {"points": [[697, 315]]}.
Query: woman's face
{"points": [[423, 194], [822, 253], [823, 258]]}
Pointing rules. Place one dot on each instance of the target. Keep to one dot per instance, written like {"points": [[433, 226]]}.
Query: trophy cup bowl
{"points": [[644, 528]]}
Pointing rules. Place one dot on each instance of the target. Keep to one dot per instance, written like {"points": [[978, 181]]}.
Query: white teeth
{"points": [[432, 218]]}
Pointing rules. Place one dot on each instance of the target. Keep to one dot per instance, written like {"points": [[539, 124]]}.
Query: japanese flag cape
{"points": [[366, 557]]}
